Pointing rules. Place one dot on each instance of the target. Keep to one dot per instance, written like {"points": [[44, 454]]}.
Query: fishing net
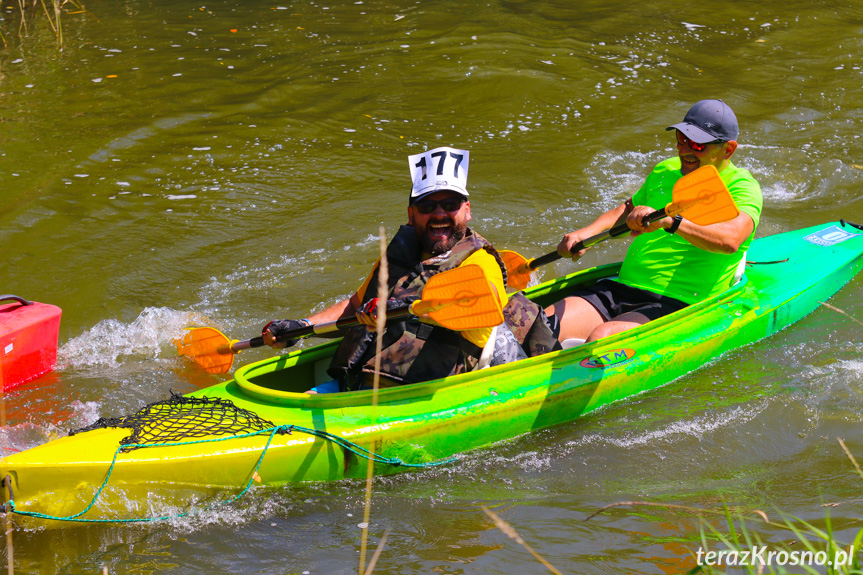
{"points": [[182, 418]]}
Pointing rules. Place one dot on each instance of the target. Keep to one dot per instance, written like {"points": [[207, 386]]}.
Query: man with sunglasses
{"points": [[666, 271], [435, 239]]}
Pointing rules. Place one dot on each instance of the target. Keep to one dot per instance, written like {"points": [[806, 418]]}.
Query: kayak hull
{"points": [[426, 423]]}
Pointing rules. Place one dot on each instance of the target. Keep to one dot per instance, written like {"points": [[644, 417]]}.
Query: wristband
{"points": [[675, 224]]}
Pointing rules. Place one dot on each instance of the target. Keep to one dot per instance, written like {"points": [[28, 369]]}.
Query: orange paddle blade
{"points": [[702, 198], [460, 299], [517, 273], [207, 347]]}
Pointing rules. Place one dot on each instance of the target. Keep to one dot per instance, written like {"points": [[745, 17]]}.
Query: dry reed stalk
{"points": [[54, 27], [681, 507], [374, 560], [825, 304], [10, 559], [851, 457], [508, 530], [383, 296], [23, 24]]}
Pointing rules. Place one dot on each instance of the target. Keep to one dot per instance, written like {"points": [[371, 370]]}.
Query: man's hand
{"points": [[635, 221], [367, 315], [604, 222], [274, 329], [564, 248]]}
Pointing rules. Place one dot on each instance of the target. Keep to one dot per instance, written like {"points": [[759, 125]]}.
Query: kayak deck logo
{"points": [[613, 357], [829, 236]]}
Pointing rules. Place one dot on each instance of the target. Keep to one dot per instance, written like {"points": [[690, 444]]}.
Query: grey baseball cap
{"points": [[708, 121]]}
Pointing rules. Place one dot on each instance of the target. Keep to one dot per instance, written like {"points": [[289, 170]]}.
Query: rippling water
{"points": [[231, 162]]}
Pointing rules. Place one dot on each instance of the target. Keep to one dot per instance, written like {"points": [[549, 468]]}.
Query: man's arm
{"points": [[604, 222], [723, 238], [345, 308]]}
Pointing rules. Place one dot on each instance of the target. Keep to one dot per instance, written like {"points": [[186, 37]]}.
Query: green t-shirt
{"points": [[669, 265]]}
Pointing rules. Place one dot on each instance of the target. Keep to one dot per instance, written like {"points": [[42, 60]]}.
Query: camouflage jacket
{"points": [[413, 351]]}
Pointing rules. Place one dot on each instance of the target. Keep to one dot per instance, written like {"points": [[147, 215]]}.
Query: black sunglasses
{"points": [[450, 205]]}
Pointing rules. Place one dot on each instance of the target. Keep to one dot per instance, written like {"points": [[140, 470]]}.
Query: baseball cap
{"points": [[708, 120], [437, 170]]}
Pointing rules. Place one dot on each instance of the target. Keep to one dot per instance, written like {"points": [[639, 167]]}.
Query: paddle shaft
{"points": [[614, 232], [397, 312]]}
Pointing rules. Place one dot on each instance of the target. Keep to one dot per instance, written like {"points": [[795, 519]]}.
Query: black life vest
{"points": [[412, 351]]}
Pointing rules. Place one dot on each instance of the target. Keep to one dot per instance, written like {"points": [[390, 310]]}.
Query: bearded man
{"points": [[435, 239]]}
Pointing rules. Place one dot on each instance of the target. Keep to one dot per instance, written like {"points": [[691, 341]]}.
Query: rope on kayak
{"points": [[272, 432]]}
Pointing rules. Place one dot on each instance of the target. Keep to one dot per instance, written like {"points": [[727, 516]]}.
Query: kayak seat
{"points": [[571, 342]]}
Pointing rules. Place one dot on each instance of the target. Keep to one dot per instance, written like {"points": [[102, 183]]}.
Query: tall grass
{"points": [[22, 16], [733, 543], [811, 550]]}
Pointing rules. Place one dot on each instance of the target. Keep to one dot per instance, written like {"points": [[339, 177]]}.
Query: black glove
{"points": [[370, 308], [280, 327]]}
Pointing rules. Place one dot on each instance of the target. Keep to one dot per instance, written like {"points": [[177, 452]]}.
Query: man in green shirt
{"points": [[664, 272]]}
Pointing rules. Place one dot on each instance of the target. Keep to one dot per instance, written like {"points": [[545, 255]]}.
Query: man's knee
{"points": [[610, 328]]}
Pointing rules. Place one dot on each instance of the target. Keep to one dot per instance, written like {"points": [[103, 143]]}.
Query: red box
{"points": [[28, 340]]}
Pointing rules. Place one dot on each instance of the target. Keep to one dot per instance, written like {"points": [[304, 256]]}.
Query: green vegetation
{"points": [[20, 16], [812, 550]]}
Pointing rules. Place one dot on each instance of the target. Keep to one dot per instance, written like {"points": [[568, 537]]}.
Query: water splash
{"points": [[697, 427], [27, 434], [109, 340]]}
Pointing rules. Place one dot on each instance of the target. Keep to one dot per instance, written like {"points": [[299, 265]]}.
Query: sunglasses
{"points": [[695, 146], [450, 205]]}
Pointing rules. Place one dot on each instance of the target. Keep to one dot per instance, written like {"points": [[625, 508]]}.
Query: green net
{"points": [[181, 418]]}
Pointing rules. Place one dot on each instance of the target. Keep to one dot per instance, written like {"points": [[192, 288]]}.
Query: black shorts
{"points": [[612, 299]]}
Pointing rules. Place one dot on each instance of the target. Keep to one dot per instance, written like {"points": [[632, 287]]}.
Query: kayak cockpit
{"points": [[285, 379]]}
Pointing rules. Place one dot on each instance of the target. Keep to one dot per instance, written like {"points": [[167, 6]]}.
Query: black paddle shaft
{"points": [[395, 312], [614, 232]]}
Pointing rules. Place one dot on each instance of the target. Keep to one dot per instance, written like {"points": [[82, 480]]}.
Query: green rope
{"points": [[280, 429]]}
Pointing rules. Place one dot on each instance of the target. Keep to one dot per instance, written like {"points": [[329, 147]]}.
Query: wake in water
{"points": [[149, 335]]}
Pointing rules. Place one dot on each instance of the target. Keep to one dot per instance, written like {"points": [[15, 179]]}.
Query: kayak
{"points": [[276, 434]]}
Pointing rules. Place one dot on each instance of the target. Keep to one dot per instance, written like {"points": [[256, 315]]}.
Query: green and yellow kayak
{"points": [[297, 437]]}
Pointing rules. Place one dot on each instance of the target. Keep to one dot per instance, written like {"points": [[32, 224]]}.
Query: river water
{"points": [[231, 163]]}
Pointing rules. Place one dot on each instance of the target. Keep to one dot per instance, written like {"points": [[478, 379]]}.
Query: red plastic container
{"points": [[28, 340]]}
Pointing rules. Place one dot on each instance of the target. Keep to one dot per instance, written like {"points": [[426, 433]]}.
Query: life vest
{"points": [[413, 351]]}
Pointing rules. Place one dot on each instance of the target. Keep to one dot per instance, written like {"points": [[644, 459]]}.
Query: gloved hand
{"points": [[274, 330], [367, 315]]}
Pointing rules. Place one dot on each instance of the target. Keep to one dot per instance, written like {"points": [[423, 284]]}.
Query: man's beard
{"points": [[443, 245]]}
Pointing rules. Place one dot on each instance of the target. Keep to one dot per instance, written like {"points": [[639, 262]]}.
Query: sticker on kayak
{"points": [[613, 357], [829, 236]]}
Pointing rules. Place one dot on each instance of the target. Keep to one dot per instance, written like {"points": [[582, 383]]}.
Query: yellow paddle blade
{"points": [[460, 299], [702, 198], [517, 273], [207, 347]]}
